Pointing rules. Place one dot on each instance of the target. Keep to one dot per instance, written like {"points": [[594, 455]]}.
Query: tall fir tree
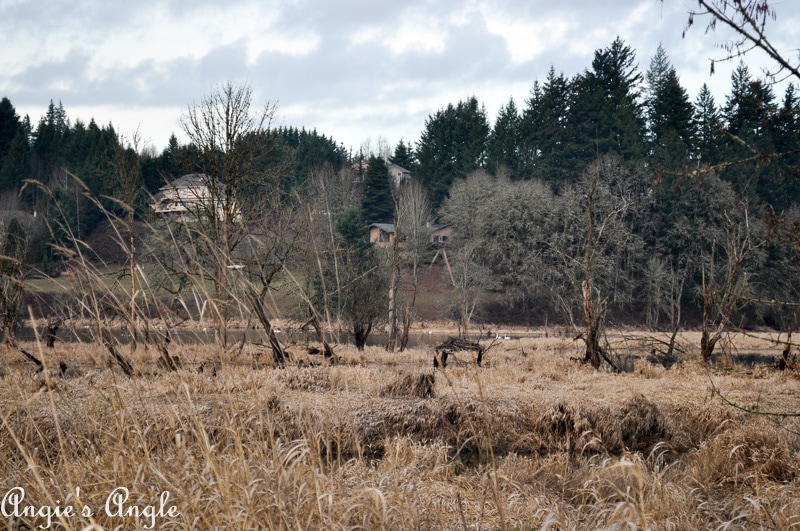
{"points": [[708, 128], [14, 167], [669, 114], [606, 111], [452, 145], [502, 152], [10, 125], [748, 113], [785, 131], [403, 155], [547, 136], [48, 146], [378, 204]]}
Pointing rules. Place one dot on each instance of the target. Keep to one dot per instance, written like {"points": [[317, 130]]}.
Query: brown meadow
{"points": [[531, 440]]}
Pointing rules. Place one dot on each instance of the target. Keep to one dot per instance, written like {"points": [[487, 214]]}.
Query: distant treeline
{"points": [[676, 199]]}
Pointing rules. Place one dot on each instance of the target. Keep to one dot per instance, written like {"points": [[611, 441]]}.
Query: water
{"points": [[207, 336]]}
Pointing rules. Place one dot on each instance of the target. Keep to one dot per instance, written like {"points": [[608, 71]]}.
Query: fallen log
{"points": [[456, 344]]}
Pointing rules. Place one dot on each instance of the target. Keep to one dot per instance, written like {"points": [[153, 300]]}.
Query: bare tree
{"points": [[723, 291], [594, 305], [466, 270], [414, 215], [394, 277], [330, 193], [593, 310], [470, 279], [127, 172], [231, 138]]}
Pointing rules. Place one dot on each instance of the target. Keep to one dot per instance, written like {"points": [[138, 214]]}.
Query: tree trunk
{"points": [[360, 335], [592, 328], [279, 355], [327, 349], [393, 279], [407, 319]]}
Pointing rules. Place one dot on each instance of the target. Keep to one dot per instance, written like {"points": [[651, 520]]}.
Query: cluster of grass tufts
{"points": [[376, 446]]}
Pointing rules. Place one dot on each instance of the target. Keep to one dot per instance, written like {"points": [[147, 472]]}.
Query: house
{"points": [[186, 197], [440, 234], [399, 175], [381, 234]]}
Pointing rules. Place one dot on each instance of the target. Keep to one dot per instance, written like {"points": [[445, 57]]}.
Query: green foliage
{"points": [[307, 151], [452, 145], [377, 205], [356, 283], [606, 114], [352, 229], [14, 167], [403, 155], [9, 126], [547, 142], [669, 115], [503, 145], [708, 128], [514, 191]]}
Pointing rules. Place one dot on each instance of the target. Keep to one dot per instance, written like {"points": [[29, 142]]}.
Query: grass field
{"points": [[532, 440]]}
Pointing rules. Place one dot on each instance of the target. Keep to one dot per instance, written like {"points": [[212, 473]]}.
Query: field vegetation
{"points": [[534, 439]]}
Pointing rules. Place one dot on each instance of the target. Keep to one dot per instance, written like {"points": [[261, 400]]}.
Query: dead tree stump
{"points": [[455, 344]]}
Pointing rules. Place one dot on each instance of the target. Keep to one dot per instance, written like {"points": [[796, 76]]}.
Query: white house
{"points": [[399, 174], [189, 196]]}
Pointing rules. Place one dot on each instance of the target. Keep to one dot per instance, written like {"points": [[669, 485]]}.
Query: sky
{"points": [[359, 71]]}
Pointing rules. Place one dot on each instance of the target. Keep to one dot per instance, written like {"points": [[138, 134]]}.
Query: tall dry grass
{"points": [[530, 442]]}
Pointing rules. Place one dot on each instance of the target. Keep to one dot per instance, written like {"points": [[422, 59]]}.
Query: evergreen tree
{"points": [[48, 146], [708, 128], [779, 183], [14, 167], [377, 205], [403, 155], [9, 126], [748, 105], [606, 111], [547, 134], [748, 112], [452, 145], [786, 125], [504, 141], [669, 113], [363, 286]]}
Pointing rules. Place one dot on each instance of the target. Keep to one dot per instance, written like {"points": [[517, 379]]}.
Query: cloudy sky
{"points": [[352, 69]]}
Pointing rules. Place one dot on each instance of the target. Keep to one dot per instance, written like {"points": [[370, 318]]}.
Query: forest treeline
{"points": [[668, 209]]}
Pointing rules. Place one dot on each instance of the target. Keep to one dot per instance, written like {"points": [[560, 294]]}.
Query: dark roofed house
{"points": [[440, 234], [381, 234]]}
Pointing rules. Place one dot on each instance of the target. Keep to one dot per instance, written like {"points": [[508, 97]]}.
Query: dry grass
{"points": [[532, 441]]}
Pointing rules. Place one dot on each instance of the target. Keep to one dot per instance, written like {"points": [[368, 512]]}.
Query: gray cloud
{"points": [[353, 69]]}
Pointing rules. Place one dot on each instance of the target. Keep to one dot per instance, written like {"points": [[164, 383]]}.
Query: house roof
{"points": [[187, 181], [434, 228], [394, 166], [385, 227]]}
